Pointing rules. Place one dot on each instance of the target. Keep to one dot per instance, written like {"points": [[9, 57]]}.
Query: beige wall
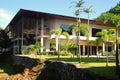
{"points": [[57, 22]]}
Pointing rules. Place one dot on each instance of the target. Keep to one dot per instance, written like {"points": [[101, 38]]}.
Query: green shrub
{"points": [[111, 53], [44, 53]]}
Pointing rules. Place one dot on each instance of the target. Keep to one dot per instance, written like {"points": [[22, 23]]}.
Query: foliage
{"points": [[64, 49], [73, 48], [52, 46], [88, 10], [36, 48], [57, 34], [44, 53], [112, 53], [115, 10], [26, 50], [79, 7], [79, 28], [112, 16], [4, 39]]}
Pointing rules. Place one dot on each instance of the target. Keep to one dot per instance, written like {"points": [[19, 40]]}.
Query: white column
{"points": [[103, 48], [56, 44], [42, 25]]}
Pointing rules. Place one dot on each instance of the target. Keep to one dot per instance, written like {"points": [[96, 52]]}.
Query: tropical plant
{"points": [[105, 37], [64, 48], [112, 38], [79, 8], [36, 47], [57, 33], [72, 48], [114, 20], [98, 42]]}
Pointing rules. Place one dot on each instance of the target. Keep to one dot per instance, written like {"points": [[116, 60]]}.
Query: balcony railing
{"points": [[33, 31]]}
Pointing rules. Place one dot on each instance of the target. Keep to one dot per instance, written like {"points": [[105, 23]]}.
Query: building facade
{"points": [[29, 26]]}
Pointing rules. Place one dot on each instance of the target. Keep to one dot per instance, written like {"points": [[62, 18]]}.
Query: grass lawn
{"points": [[93, 64], [5, 69]]}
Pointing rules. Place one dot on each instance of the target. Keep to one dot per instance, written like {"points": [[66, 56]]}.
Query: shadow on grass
{"points": [[6, 64], [109, 71], [102, 70], [6, 68], [82, 59], [11, 65]]}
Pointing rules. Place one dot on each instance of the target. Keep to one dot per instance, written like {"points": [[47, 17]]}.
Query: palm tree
{"points": [[112, 37], [79, 8], [88, 11], [76, 29], [114, 20], [36, 47], [97, 42], [107, 36], [57, 34]]}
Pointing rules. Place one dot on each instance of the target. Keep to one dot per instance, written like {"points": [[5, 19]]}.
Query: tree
{"points": [[114, 20], [112, 37], [79, 8], [64, 48], [72, 48], [4, 40], [57, 34], [97, 42], [112, 17], [88, 11], [105, 37], [36, 47]]}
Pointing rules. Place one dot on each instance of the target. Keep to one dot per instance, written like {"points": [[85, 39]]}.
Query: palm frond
{"points": [[67, 36]]}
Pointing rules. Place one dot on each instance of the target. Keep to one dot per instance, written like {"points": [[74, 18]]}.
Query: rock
{"points": [[57, 71], [20, 63], [65, 71]]}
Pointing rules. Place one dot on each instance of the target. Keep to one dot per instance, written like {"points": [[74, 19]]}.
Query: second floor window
{"points": [[65, 28], [94, 31]]}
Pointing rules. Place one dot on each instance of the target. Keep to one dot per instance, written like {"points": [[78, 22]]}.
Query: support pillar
{"points": [[42, 25], [103, 48], [83, 50], [22, 28]]}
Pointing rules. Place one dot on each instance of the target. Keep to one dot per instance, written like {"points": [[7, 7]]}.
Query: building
{"points": [[28, 26]]}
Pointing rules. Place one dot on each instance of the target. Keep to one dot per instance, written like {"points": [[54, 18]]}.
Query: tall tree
{"points": [[78, 9], [88, 11], [112, 17], [104, 36], [4, 40]]}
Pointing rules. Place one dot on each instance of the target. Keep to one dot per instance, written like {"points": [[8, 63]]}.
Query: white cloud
{"points": [[5, 17], [4, 14]]}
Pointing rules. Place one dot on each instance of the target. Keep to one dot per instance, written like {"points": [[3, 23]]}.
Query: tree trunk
{"points": [[117, 60]]}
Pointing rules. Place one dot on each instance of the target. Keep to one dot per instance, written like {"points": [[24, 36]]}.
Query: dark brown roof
{"points": [[22, 12]]}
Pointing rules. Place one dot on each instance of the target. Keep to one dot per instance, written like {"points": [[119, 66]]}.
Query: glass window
{"points": [[94, 31], [65, 28]]}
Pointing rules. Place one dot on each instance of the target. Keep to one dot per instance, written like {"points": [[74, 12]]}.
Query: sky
{"points": [[8, 8]]}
